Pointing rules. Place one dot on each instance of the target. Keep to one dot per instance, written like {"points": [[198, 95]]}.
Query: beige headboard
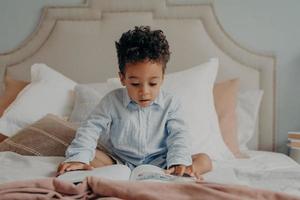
{"points": [[79, 42]]}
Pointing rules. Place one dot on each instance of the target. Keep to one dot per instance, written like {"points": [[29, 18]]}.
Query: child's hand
{"points": [[180, 170], [70, 166], [177, 170], [191, 172]]}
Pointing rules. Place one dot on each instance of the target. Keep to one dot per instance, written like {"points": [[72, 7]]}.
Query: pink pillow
{"points": [[12, 89], [225, 97]]}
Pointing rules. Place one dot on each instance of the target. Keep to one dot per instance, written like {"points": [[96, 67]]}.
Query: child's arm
{"points": [[178, 137], [82, 149]]}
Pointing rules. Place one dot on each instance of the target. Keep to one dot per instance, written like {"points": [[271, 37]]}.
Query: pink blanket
{"points": [[98, 188]]}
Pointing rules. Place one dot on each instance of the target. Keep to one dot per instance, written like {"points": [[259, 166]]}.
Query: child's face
{"points": [[143, 81]]}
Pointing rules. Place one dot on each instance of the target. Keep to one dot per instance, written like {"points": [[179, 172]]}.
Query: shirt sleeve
{"points": [[178, 137], [83, 147]]}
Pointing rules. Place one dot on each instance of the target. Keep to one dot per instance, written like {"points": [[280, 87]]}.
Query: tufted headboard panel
{"points": [[79, 42]]}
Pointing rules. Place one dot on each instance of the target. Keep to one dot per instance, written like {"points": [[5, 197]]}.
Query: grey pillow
{"points": [[87, 96]]}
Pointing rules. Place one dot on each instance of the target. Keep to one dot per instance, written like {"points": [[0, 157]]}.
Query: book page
{"points": [[114, 172], [153, 173]]}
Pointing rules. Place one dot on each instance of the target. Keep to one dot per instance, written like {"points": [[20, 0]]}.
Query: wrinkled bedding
{"points": [[263, 170], [96, 188]]}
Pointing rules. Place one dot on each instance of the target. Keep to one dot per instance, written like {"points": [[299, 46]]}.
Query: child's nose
{"points": [[144, 91]]}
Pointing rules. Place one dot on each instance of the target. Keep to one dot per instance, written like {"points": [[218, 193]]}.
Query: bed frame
{"points": [[78, 41]]}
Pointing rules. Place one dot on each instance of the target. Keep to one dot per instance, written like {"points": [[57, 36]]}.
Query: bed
{"points": [[76, 45]]}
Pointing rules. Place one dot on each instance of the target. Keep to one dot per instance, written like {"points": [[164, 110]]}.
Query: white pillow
{"points": [[195, 88], [87, 96], [247, 113], [48, 92]]}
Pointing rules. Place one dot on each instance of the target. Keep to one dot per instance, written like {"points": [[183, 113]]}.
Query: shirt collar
{"points": [[126, 98], [158, 101]]}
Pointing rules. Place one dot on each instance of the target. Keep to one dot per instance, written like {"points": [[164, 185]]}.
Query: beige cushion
{"points": [[225, 97], [50, 136], [12, 89]]}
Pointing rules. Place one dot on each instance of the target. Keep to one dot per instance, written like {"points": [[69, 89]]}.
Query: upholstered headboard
{"points": [[79, 42]]}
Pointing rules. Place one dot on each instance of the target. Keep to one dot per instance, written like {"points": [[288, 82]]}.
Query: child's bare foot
{"points": [[71, 166]]}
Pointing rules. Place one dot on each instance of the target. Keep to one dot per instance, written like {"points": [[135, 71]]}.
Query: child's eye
{"points": [[153, 84], [135, 84]]}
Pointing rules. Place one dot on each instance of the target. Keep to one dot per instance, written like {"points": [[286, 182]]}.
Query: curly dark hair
{"points": [[142, 44]]}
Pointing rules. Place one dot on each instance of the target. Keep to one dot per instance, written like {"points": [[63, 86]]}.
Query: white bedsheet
{"points": [[265, 170], [16, 167]]}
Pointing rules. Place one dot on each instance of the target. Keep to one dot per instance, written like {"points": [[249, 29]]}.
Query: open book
{"points": [[122, 172]]}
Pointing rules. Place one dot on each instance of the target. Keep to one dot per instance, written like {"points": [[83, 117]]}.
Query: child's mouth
{"points": [[145, 101]]}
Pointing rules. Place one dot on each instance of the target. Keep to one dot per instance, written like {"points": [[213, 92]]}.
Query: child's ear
{"points": [[122, 78]]}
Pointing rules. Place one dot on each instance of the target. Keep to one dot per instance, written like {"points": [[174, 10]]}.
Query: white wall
{"points": [[18, 18], [264, 25], [271, 26]]}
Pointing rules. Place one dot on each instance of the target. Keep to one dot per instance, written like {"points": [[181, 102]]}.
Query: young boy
{"points": [[138, 124]]}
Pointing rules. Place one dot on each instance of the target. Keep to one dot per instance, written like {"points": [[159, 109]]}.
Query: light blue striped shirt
{"points": [[136, 135]]}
